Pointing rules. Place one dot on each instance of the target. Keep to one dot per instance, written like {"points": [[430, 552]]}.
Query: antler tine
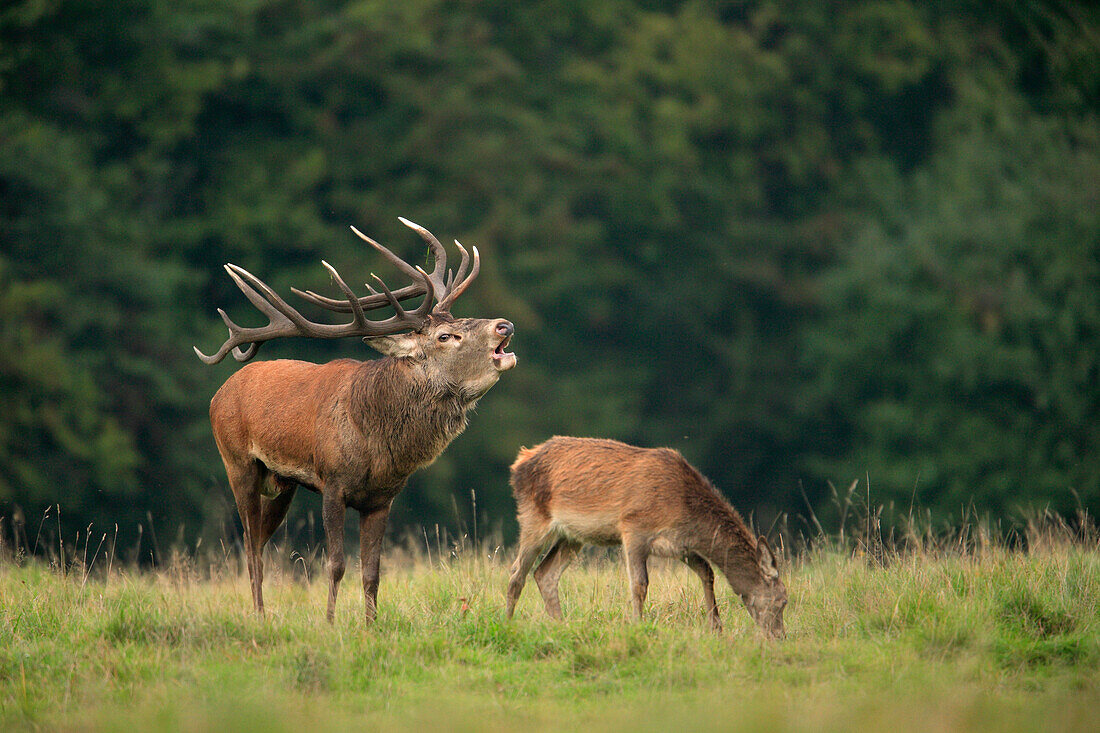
{"points": [[356, 309], [448, 287], [405, 267], [220, 353], [460, 284], [439, 272], [463, 264]]}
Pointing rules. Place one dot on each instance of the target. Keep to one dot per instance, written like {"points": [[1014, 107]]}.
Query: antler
{"points": [[286, 321], [447, 285]]}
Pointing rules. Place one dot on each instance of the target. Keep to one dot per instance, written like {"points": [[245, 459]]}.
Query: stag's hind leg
{"points": [[706, 575], [244, 480], [549, 571]]}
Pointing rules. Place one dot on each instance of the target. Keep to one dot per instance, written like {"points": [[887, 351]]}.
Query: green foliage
{"points": [[54, 408], [800, 241], [955, 323]]}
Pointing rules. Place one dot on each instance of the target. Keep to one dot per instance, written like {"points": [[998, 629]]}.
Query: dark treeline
{"points": [[803, 241]]}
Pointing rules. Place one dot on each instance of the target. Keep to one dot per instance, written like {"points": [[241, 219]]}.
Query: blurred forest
{"points": [[803, 241]]}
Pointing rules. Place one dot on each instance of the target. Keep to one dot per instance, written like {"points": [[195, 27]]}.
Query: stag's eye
{"points": [[448, 336]]}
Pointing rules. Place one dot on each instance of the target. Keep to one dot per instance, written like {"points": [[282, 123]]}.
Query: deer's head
{"points": [[462, 355], [768, 597]]}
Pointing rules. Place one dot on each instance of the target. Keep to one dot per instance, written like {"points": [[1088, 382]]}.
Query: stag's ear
{"points": [[398, 345], [765, 558]]}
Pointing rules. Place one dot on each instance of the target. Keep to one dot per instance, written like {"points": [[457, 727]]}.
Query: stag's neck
{"points": [[728, 543], [411, 418]]}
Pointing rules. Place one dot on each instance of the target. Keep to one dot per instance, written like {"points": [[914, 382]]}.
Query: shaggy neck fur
{"points": [[407, 416]]}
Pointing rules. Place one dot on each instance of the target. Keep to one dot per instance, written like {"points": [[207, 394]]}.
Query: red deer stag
{"points": [[573, 491], [352, 431]]}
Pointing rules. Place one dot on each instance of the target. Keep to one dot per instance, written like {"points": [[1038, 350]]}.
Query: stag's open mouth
{"points": [[502, 359]]}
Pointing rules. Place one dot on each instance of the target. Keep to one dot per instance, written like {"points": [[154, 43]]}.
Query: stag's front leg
{"points": [[371, 528], [332, 514]]}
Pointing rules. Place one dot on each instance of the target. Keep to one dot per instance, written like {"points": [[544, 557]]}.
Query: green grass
{"points": [[988, 640]]}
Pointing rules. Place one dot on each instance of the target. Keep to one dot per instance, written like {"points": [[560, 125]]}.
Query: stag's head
{"points": [[466, 355], [463, 355], [768, 597]]}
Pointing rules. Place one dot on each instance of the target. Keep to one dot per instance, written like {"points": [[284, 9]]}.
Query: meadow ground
{"points": [[985, 639]]}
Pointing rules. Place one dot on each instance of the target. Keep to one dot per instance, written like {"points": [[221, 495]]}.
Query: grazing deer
{"points": [[575, 491], [352, 431]]}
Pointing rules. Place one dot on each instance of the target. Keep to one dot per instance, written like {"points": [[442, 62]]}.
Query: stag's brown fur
{"points": [[352, 431], [574, 491]]}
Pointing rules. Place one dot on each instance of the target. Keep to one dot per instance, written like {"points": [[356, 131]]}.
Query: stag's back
{"points": [[276, 402], [597, 489]]}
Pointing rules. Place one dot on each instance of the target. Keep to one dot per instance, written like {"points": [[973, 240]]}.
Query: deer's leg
{"points": [[531, 545], [637, 555], [549, 571], [273, 512], [706, 575], [244, 479], [332, 514], [371, 529]]}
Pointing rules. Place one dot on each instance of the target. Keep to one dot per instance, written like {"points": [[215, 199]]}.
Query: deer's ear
{"points": [[765, 558], [398, 345]]}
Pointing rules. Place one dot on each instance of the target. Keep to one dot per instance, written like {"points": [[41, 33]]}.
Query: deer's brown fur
{"points": [[575, 491]]}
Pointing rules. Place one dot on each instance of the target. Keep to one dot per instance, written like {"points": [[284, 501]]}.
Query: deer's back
{"points": [[277, 403], [594, 488]]}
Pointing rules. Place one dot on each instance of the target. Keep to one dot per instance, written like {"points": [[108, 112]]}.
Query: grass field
{"points": [[979, 640]]}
